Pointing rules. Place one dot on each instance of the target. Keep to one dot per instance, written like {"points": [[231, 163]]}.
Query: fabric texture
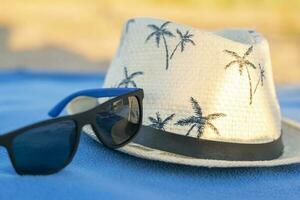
{"points": [[99, 173], [214, 85]]}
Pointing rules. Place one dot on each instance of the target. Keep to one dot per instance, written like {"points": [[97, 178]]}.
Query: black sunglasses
{"points": [[49, 146]]}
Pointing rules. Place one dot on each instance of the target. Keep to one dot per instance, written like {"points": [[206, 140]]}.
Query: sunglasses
{"points": [[49, 146]]}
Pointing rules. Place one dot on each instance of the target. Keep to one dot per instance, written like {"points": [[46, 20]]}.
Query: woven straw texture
{"points": [[213, 85]]}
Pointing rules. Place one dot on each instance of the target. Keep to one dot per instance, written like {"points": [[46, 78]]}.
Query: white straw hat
{"points": [[209, 96]]}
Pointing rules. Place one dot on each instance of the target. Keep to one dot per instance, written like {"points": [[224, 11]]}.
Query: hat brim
{"points": [[291, 153]]}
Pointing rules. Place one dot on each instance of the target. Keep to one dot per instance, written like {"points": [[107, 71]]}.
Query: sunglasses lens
{"points": [[45, 149], [121, 121]]}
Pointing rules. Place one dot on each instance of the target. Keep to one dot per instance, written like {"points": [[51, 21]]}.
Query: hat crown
{"points": [[214, 85]]}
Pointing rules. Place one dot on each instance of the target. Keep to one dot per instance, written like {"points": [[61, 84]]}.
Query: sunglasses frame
{"points": [[80, 119]]}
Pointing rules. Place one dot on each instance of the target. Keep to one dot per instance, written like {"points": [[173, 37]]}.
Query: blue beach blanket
{"points": [[99, 173]]}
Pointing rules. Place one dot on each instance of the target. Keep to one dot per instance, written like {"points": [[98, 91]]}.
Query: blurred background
{"points": [[83, 35]]}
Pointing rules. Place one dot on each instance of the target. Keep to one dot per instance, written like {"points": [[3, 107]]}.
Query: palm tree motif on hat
{"points": [[159, 32], [128, 24], [159, 123], [184, 39], [242, 63], [254, 36], [128, 80], [199, 121], [261, 78], [123, 35]]}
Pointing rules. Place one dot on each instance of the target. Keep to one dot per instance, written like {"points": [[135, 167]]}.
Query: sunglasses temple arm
{"points": [[97, 93]]}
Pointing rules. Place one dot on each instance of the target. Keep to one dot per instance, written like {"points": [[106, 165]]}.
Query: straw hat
{"points": [[209, 96]]}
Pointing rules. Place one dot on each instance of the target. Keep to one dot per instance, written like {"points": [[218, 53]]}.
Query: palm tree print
{"points": [[261, 78], [159, 123], [158, 33], [128, 80], [124, 34], [184, 39], [199, 121], [242, 63], [128, 24], [255, 37]]}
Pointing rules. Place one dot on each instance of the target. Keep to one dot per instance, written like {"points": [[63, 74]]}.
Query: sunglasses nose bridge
{"points": [[87, 118]]}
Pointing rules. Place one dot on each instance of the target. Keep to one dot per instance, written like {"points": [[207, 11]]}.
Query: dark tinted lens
{"points": [[121, 120], [45, 149]]}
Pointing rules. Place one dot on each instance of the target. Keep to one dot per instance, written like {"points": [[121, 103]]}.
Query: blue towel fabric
{"points": [[99, 173]]}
